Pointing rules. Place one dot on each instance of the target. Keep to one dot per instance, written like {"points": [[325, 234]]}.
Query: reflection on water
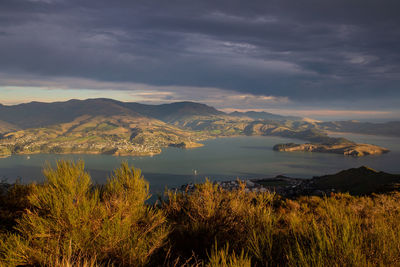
{"points": [[257, 147], [219, 159]]}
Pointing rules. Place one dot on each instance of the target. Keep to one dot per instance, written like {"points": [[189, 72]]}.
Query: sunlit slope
{"points": [[117, 134], [7, 127], [38, 114]]}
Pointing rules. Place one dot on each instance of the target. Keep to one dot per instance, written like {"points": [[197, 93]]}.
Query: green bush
{"points": [[69, 219]]}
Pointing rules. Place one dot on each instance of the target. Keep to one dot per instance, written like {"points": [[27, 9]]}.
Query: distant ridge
{"points": [[185, 115], [391, 128], [359, 181], [39, 114], [262, 115], [174, 111]]}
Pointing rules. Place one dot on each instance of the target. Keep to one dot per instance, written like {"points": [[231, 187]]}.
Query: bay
{"points": [[219, 159]]}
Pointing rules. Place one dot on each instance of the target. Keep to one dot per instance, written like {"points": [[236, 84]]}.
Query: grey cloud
{"points": [[304, 50]]}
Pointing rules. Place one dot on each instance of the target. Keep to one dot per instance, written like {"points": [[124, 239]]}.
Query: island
{"points": [[349, 149]]}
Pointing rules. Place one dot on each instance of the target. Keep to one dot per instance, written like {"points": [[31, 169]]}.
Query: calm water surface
{"points": [[219, 159]]}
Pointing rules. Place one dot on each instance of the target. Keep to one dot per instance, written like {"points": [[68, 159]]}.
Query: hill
{"points": [[187, 114], [38, 114], [355, 181], [174, 112], [359, 181], [7, 127], [110, 124], [262, 115], [116, 134]]}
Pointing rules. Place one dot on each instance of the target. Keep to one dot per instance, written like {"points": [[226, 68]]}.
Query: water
{"points": [[219, 159]]}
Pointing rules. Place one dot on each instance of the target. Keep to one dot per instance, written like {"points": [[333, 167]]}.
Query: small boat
{"points": [[28, 157]]}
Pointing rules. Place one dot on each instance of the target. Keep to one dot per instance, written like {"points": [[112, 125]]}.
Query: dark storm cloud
{"points": [[305, 50]]}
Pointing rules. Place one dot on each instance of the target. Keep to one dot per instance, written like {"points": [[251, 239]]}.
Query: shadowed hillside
{"points": [[175, 111], [37, 114], [359, 181], [355, 181], [263, 115]]}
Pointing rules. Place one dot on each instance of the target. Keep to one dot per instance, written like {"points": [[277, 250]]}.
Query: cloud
{"points": [[46, 90], [335, 114], [313, 53]]}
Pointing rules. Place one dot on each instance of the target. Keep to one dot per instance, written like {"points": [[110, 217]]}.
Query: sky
{"points": [[316, 58]]}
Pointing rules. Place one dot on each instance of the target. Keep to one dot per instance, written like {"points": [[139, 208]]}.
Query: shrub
{"points": [[210, 214], [13, 202], [69, 222], [224, 258], [70, 219], [132, 230], [339, 230], [342, 230]]}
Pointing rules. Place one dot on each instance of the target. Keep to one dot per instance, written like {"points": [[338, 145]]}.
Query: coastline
{"points": [[117, 153], [311, 147]]}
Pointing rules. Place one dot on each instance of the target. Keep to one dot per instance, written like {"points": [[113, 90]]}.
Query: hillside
{"points": [[355, 181], [262, 115], [117, 135], [174, 112], [359, 181], [38, 114], [7, 127], [115, 127]]}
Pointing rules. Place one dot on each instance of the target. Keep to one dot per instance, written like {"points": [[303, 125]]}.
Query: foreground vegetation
{"points": [[67, 221]]}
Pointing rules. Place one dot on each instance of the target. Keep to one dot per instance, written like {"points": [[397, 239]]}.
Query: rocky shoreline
{"points": [[348, 149]]}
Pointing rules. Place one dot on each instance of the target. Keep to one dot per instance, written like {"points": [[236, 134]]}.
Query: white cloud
{"points": [[360, 59]]}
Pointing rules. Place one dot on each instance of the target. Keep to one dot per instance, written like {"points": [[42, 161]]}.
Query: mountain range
{"points": [[39, 114], [127, 128]]}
